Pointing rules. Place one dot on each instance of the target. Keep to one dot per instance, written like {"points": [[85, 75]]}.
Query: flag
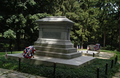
{"points": [[87, 47], [81, 47], [6, 55], [77, 47]]}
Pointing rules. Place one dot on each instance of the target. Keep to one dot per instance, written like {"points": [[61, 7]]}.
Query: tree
{"points": [[117, 3], [3, 16], [83, 14], [10, 34], [17, 16], [96, 21], [106, 19]]}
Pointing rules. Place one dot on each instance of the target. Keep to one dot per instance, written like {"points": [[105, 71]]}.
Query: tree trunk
{"points": [[83, 38], [111, 39], [119, 37], [104, 39], [118, 32], [104, 42], [18, 41], [10, 44]]}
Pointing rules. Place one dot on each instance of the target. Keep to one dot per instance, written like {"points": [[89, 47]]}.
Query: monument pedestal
{"points": [[54, 38]]}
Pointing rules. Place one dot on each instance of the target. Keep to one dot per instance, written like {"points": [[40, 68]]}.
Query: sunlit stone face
{"points": [[55, 27]]}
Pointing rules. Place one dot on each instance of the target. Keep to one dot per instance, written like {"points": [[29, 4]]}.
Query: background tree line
{"points": [[96, 21]]}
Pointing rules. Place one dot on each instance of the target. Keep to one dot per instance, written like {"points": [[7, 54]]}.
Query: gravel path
{"points": [[5, 73], [105, 55]]}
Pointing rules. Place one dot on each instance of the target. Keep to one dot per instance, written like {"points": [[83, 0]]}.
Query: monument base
{"points": [[49, 61], [55, 48]]}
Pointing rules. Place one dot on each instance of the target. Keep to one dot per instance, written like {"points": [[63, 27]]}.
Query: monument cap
{"points": [[55, 19]]}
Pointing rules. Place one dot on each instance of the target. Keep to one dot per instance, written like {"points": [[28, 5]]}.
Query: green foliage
{"points": [[1, 18], [32, 28], [4, 46], [96, 21], [17, 22], [9, 34], [19, 16], [84, 15]]}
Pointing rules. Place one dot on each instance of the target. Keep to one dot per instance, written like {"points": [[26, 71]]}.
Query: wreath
{"points": [[97, 47], [29, 52]]}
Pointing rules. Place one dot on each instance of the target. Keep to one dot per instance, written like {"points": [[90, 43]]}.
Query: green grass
{"points": [[14, 52], [88, 71], [80, 49], [109, 51]]}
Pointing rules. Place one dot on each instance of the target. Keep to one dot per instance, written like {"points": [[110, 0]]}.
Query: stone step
{"points": [[52, 41], [58, 55], [55, 45], [59, 50]]}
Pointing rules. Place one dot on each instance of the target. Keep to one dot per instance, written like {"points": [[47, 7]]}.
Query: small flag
{"points": [[6, 55], [87, 47], [77, 47], [81, 47]]}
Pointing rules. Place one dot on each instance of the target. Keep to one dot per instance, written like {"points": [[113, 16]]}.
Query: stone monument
{"points": [[54, 38], [53, 45]]}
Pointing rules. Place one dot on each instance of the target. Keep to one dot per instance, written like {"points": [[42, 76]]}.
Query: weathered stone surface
{"points": [[55, 35], [4, 73], [48, 61]]}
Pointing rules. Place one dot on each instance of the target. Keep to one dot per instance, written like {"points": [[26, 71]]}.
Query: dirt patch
{"points": [[105, 55]]}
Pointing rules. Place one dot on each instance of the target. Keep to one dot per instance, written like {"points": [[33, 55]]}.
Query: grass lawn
{"points": [[88, 71], [80, 49], [14, 52]]}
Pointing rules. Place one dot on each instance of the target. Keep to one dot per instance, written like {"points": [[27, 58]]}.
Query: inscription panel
{"points": [[52, 35]]}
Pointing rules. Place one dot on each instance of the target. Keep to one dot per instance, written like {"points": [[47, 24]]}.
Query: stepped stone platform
{"points": [[48, 61], [56, 48]]}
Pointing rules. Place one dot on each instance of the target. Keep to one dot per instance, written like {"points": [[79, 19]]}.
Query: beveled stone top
{"points": [[53, 19]]}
